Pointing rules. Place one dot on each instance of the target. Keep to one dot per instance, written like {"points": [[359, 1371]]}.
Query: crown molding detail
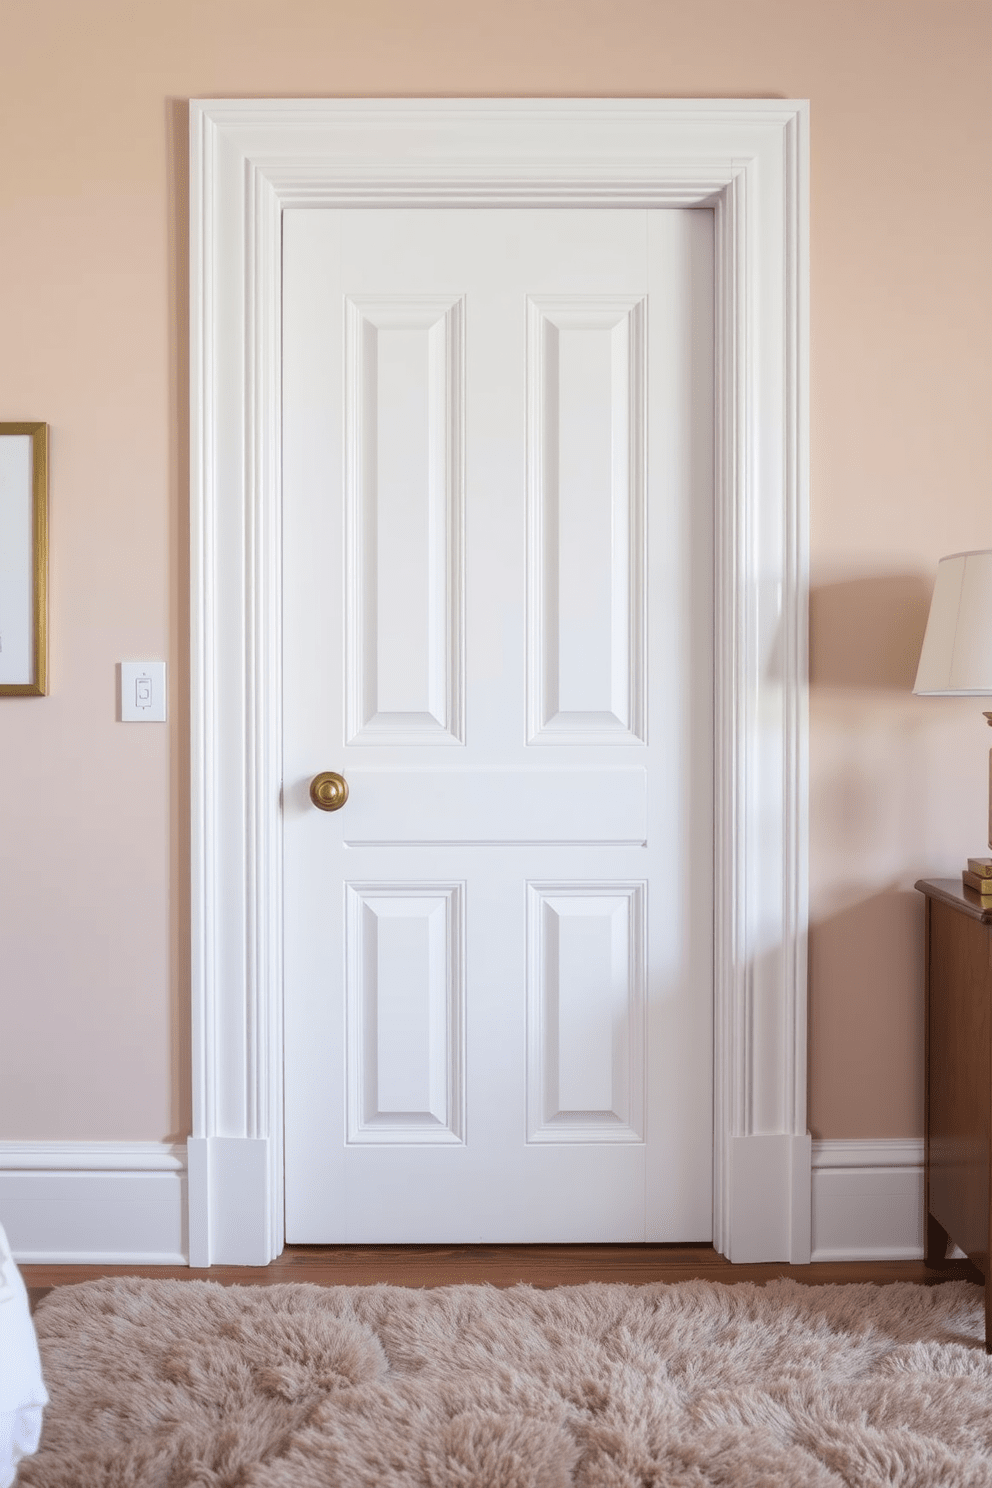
{"points": [[747, 161]]}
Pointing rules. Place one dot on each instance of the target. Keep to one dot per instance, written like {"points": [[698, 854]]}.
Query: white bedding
{"points": [[22, 1390]]}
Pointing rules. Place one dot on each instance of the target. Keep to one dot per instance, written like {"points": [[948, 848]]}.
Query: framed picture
{"points": [[23, 560]]}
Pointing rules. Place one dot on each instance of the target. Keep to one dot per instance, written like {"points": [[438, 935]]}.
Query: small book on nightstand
{"points": [[978, 876]]}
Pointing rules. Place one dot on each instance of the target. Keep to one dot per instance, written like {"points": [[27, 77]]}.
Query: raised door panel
{"points": [[404, 479], [586, 1012], [405, 1013], [586, 464]]}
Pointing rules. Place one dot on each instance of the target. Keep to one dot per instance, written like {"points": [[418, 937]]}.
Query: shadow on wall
{"points": [[867, 633], [866, 930], [866, 1019]]}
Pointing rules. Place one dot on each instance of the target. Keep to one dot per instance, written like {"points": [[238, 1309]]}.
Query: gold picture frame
{"points": [[23, 560]]}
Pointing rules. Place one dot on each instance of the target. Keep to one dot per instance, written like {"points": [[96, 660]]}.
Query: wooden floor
{"points": [[502, 1266]]}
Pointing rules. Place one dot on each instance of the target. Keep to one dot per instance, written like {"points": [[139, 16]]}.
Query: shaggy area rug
{"points": [[170, 1384]]}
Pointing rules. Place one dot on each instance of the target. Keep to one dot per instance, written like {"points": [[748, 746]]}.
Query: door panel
{"points": [[498, 600], [404, 406], [586, 454], [586, 1023], [406, 1012], [541, 806]]}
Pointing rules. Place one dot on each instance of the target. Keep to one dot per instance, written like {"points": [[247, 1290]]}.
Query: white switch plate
{"points": [[142, 691]]}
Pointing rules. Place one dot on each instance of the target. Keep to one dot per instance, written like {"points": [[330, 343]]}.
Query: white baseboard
{"points": [[106, 1203], [111, 1203], [868, 1200]]}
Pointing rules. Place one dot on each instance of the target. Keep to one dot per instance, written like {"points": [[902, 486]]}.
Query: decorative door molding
{"points": [[746, 160]]}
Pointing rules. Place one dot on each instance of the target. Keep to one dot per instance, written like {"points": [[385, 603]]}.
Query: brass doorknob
{"points": [[328, 790]]}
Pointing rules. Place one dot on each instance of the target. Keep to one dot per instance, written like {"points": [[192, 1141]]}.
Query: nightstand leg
{"points": [[988, 1313], [934, 1243]]}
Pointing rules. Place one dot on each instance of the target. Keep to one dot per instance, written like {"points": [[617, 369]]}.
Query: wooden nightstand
{"points": [[958, 1076]]}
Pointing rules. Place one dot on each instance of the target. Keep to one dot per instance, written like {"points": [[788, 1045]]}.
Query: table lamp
{"points": [[956, 659]]}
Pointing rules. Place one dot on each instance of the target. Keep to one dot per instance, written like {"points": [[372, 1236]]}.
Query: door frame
{"points": [[747, 160]]}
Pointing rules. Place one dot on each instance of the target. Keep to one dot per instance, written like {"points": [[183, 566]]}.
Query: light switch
{"points": [[142, 691]]}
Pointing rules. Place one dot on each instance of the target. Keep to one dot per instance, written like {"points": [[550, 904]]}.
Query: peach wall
{"points": [[93, 1028]]}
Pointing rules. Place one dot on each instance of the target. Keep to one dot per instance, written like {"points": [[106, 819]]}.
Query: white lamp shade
{"points": [[956, 659]]}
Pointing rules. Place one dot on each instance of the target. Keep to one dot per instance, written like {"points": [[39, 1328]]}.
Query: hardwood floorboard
{"points": [[503, 1266]]}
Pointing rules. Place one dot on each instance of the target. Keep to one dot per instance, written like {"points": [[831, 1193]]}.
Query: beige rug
{"points": [[164, 1384]]}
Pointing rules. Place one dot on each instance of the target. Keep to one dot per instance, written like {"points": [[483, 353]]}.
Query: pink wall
{"points": [[92, 308]]}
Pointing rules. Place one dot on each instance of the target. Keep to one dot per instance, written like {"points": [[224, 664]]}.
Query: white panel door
{"points": [[498, 475]]}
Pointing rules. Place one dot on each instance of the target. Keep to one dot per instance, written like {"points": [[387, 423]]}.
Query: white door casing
{"points": [[748, 160]]}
